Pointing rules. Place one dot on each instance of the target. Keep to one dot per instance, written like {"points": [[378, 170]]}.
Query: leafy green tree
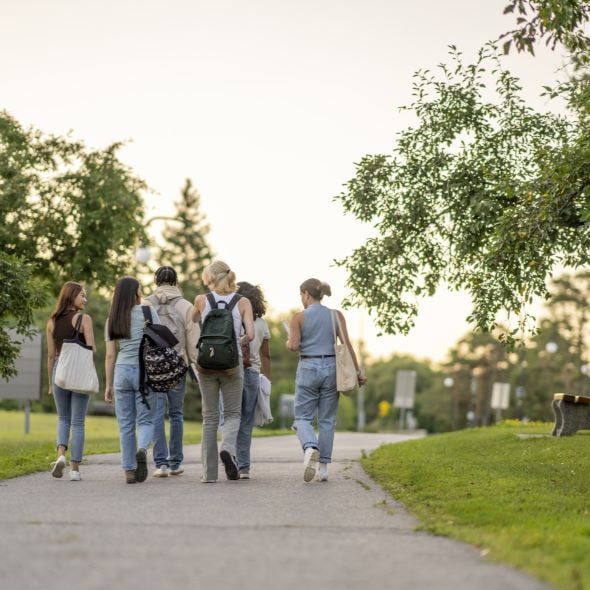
{"points": [[187, 249], [20, 294], [71, 212], [463, 200], [66, 213]]}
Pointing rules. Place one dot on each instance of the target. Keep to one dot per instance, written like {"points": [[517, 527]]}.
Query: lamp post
{"points": [[448, 382], [144, 253]]}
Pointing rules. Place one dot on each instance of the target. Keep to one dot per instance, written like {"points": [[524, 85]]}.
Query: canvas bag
{"points": [[346, 376], [262, 412], [160, 366], [75, 367], [171, 317], [217, 349]]}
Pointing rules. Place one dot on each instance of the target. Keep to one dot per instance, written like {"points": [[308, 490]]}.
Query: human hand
{"points": [[108, 395], [50, 390]]}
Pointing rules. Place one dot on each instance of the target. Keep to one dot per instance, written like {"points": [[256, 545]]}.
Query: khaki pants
{"points": [[230, 388]]}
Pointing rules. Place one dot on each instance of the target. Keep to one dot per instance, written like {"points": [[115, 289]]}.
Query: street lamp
{"points": [[551, 347], [144, 253], [448, 382]]}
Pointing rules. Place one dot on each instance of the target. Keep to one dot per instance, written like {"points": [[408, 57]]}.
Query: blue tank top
{"points": [[317, 337]]}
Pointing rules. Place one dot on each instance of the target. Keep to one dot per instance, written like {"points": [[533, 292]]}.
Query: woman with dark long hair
{"points": [[311, 333], [71, 406], [125, 327], [259, 363]]}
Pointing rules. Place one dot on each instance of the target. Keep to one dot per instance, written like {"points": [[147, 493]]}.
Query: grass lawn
{"points": [[523, 500], [22, 453]]}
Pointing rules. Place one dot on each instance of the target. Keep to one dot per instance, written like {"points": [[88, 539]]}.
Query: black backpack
{"points": [[160, 366], [217, 349]]}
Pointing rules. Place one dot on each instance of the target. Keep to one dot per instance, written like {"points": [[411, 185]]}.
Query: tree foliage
{"points": [[557, 22], [66, 213], [467, 198], [188, 250], [70, 212]]}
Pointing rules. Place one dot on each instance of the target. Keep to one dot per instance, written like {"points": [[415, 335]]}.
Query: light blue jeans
{"points": [[249, 400], [315, 393], [131, 412], [71, 411], [171, 455]]}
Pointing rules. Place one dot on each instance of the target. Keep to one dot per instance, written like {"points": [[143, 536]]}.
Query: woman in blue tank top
{"points": [[312, 335]]}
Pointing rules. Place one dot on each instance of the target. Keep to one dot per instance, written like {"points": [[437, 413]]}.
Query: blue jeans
{"points": [[174, 399], [71, 411], [315, 393], [131, 412], [249, 400]]}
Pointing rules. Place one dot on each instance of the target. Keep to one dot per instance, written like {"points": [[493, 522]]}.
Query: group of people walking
{"points": [[229, 399]]}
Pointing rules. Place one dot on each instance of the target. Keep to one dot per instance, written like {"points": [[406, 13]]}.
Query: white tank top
{"points": [[237, 316]]}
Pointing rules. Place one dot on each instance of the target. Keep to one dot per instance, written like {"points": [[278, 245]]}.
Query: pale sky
{"points": [[264, 104]]}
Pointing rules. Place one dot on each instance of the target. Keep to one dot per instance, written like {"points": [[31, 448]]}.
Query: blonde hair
{"points": [[219, 277], [316, 288]]}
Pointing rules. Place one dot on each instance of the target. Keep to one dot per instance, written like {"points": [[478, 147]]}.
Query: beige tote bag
{"points": [[346, 377]]}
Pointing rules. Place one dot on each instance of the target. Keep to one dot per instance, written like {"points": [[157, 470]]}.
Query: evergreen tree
{"points": [[187, 249]]}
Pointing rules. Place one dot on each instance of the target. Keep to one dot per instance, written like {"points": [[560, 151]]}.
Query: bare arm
{"points": [[88, 331], [245, 308], [295, 332], [361, 378], [50, 354], [198, 307], [192, 332], [265, 359], [109, 366]]}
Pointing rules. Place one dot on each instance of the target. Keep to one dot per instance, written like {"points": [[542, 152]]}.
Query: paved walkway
{"points": [[273, 531]]}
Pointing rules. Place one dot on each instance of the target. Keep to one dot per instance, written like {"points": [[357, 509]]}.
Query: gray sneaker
{"points": [[310, 463], [58, 466]]}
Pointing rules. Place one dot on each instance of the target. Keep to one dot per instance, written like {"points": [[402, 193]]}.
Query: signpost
{"points": [[405, 388], [286, 407], [500, 398], [26, 385]]}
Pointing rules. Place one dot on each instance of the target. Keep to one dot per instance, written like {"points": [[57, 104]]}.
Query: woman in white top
{"points": [[259, 363], [221, 281]]}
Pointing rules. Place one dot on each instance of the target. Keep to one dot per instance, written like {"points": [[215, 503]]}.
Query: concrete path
{"points": [[273, 531]]}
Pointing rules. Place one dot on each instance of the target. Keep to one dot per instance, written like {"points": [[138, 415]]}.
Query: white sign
{"points": [[405, 387], [26, 385], [500, 396]]}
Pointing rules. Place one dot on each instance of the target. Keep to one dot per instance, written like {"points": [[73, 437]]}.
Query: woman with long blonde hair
{"points": [[71, 406], [221, 281]]}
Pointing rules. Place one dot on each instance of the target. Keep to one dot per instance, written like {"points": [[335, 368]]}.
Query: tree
{"points": [[69, 212], [20, 294], [188, 250], [66, 213], [465, 200]]}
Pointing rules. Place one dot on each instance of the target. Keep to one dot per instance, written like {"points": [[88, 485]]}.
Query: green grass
{"points": [[22, 453], [524, 502]]}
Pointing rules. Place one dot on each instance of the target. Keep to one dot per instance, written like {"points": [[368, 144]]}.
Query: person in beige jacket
{"points": [[175, 312]]}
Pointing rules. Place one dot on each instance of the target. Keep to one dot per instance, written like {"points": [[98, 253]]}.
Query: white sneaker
{"points": [[323, 472], [75, 476], [58, 466], [177, 471], [310, 463], [161, 471]]}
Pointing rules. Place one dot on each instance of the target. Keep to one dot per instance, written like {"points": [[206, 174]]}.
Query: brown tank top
{"points": [[63, 329]]}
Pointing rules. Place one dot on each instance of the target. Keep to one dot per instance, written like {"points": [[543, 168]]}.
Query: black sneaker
{"points": [[141, 472], [230, 464]]}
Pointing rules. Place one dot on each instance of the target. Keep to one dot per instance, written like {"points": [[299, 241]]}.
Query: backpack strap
{"points": [[147, 316], [211, 300], [233, 301], [77, 327]]}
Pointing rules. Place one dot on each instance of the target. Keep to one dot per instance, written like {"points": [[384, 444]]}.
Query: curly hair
{"points": [[256, 297]]}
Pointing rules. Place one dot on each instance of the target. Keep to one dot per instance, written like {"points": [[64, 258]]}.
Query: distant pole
{"points": [[360, 400], [28, 416]]}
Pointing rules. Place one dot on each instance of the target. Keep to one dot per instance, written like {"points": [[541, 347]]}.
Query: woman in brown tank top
{"points": [[71, 406]]}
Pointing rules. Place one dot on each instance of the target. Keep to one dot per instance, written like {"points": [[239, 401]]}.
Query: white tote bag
{"points": [[346, 377], [75, 367], [262, 413]]}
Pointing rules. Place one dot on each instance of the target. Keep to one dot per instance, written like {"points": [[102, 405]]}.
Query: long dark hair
{"points": [[124, 299], [256, 297], [66, 299]]}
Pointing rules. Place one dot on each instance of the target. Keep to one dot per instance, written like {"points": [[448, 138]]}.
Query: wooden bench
{"points": [[572, 413]]}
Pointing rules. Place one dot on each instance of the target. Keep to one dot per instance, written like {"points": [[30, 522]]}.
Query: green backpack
{"points": [[217, 349]]}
